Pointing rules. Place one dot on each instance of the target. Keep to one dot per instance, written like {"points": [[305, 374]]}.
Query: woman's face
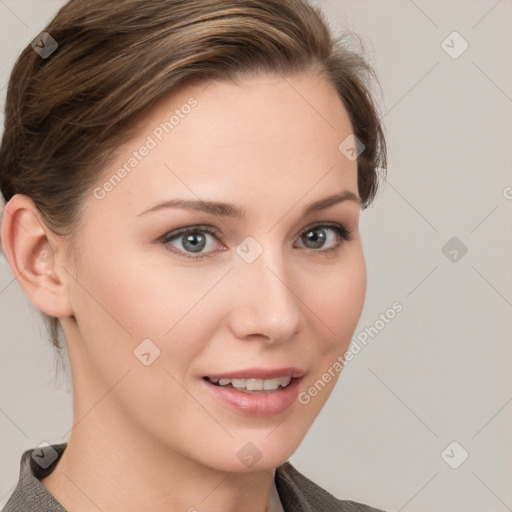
{"points": [[276, 290]]}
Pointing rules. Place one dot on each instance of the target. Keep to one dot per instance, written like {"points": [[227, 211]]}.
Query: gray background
{"points": [[440, 370]]}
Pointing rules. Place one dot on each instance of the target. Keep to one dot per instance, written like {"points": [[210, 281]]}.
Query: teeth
{"points": [[254, 384], [238, 383], [271, 383]]}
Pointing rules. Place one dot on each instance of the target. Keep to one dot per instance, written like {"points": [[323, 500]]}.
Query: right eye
{"points": [[192, 240]]}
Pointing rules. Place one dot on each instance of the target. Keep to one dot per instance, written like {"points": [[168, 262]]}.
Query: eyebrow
{"points": [[231, 210]]}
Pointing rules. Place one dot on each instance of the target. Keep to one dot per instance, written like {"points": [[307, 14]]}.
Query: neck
{"points": [[111, 463], [125, 471]]}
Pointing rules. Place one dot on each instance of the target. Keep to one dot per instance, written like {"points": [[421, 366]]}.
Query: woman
{"points": [[183, 183]]}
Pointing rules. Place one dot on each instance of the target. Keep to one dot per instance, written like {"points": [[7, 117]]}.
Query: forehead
{"points": [[269, 137]]}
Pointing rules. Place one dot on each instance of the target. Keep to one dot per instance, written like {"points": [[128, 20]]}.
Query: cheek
{"points": [[139, 294], [127, 300], [337, 306], [338, 301], [352, 294], [124, 304]]}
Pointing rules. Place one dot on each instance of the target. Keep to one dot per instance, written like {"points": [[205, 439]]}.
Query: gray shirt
{"points": [[295, 492]]}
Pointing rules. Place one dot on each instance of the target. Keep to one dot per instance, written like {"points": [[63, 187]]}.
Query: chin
{"points": [[263, 451]]}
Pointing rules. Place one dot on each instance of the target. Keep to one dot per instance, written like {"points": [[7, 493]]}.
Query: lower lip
{"points": [[261, 404]]}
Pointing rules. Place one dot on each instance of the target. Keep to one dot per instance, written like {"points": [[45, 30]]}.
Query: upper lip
{"points": [[259, 373]]}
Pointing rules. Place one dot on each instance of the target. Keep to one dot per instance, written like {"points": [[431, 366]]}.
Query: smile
{"points": [[255, 391], [252, 385]]}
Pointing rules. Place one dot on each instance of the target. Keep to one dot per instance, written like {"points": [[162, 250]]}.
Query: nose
{"points": [[267, 306]]}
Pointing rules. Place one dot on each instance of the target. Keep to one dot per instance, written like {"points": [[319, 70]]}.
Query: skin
{"points": [[170, 445]]}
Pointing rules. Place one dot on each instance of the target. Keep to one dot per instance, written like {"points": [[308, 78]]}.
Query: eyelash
{"points": [[344, 235]]}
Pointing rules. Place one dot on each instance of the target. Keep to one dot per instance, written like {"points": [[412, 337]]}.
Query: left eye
{"points": [[317, 236], [195, 239]]}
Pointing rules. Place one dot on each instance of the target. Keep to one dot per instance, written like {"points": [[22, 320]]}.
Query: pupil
{"points": [[318, 238], [196, 242]]}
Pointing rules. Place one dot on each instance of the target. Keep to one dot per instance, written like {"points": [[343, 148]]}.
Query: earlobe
{"points": [[32, 253]]}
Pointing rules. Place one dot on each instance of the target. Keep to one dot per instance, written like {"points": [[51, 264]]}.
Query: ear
{"points": [[31, 250]]}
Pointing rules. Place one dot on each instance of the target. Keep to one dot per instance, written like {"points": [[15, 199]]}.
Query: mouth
{"points": [[257, 391], [251, 386]]}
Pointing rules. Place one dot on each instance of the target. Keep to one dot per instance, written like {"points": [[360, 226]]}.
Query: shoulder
{"points": [[30, 495], [299, 493]]}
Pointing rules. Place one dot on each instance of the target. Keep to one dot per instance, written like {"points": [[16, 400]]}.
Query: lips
{"points": [[258, 373], [256, 391]]}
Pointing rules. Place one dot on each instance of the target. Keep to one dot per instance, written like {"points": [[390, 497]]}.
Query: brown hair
{"points": [[66, 113]]}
